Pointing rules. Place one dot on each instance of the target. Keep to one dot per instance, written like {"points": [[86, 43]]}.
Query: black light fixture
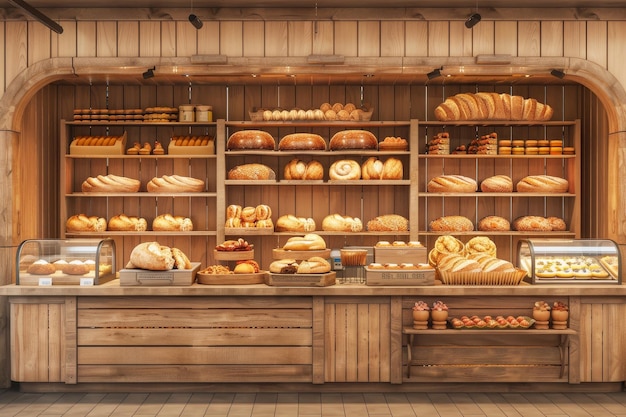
{"points": [[557, 73], [472, 20], [149, 73], [434, 74], [195, 21], [36, 14]]}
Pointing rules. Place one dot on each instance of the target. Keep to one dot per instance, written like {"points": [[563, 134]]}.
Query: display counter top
{"points": [[113, 288]]}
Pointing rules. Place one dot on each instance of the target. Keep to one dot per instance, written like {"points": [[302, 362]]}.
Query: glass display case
{"points": [[579, 261], [65, 262]]}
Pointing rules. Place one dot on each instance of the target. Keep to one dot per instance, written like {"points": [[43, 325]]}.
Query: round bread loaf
{"points": [[151, 256], [388, 222], [250, 139], [451, 184], [493, 223], [353, 139], [542, 184], [480, 244], [497, 184], [451, 224], [251, 172], [338, 223], [41, 267], [532, 223], [302, 142]]}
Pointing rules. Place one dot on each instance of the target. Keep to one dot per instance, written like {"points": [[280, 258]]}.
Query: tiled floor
{"points": [[14, 403]]}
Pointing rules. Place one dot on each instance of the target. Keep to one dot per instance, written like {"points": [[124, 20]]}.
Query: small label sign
{"points": [[45, 282], [86, 282]]}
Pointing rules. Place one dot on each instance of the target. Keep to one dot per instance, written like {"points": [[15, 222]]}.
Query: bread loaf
{"points": [[497, 184], [314, 265], [532, 224], [84, 223], [174, 184], [492, 106], [250, 139], [493, 223], [110, 184], [168, 222], [480, 244], [251, 172], [291, 223], [303, 142], [338, 223], [353, 139], [300, 170], [451, 224], [284, 266], [388, 222], [453, 262], [41, 267], [375, 169], [542, 184], [451, 184], [557, 224], [122, 222], [345, 169], [310, 241], [151, 256]]}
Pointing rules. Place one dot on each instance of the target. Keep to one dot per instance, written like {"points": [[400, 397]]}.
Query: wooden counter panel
{"points": [[243, 301], [473, 374]]}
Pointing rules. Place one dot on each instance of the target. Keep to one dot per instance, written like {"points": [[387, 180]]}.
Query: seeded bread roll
{"points": [[451, 184], [532, 223], [493, 223], [497, 184], [251, 172], [388, 222]]}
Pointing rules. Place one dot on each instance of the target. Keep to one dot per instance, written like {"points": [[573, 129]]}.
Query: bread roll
{"points": [[174, 184], [110, 184], [41, 267], [353, 139], [532, 224], [453, 262], [122, 222], [451, 224], [557, 224], [314, 265], [310, 241], [151, 256], [542, 184], [75, 267], [263, 212], [375, 169], [168, 222], [233, 211], [338, 223], [493, 223], [251, 172], [291, 223], [84, 223], [451, 184], [480, 244], [284, 266], [497, 184], [300, 170], [388, 222], [345, 169], [181, 261], [250, 139], [303, 142]]}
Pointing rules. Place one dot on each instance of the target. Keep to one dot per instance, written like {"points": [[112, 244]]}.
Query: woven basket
{"points": [[482, 278]]}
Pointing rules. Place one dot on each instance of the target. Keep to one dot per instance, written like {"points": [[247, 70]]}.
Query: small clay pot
{"points": [[439, 315], [541, 315], [421, 315]]}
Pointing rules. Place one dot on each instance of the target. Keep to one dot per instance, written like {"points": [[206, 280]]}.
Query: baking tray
{"points": [[231, 279]]}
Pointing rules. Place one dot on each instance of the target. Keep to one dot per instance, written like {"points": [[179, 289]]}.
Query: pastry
{"points": [[388, 222], [451, 224], [300, 170], [122, 222], [169, 222], [110, 184], [345, 169], [251, 139], [480, 244], [302, 141], [310, 241], [353, 139], [41, 267], [84, 223], [233, 211], [248, 214], [542, 184], [451, 184], [251, 172], [338, 223], [263, 212], [497, 184], [291, 223], [284, 266], [493, 223], [174, 184]]}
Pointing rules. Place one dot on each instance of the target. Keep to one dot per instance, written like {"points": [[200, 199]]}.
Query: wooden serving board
{"points": [[238, 255], [301, 280], [300, 255], [231, 279]]}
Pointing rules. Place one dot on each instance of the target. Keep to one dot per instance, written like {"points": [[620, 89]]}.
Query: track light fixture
{"points": [[472, 20], [434, 74], [36, 14], [195, 21], [557, 73], [149, 73]]}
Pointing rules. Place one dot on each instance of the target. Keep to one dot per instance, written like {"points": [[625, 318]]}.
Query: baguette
{"points": [[110, 184], [174, 184], [451, 184]]}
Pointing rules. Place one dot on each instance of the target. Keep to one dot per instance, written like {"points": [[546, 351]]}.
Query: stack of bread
{"points": [[156, 257], [485, 145], [338, 223], [375, 169], [492, 106], [259, 216], [291, 223], [253, 171], [297, 169], [439, 144]]}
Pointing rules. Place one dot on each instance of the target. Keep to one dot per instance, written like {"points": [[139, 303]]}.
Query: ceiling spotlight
{"points": [[557, 73], [149, 73], [195, 21], [35, 13], [434, 73], [472, 20]]}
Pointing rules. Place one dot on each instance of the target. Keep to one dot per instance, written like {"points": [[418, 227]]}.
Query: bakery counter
{"points": [[340, 337]]}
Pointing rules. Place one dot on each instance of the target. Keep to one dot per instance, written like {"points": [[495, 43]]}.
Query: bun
{"points": [[345, 169], [493, 223], [451, 224], [353, 139], [122, 222], [300, 170], [480, 244], [233, 211], [110, 184], [451, 184], [284, 266], [84, 223], [250, 139], [558, 224], [263, 212], [75, 267], [497, 184], [375, 169], [251, 172], [310, 241], [532, 223], [151, 256], [181, 261], [388, 222], [314, 265], [174, 184], [244, 268], [492, 106], [168, 222], [339, 223], [41, 267], [302, 141], [291, 223], [542, 184]]}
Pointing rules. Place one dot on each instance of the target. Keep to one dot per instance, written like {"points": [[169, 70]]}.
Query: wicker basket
{"points": [[482, 278]]}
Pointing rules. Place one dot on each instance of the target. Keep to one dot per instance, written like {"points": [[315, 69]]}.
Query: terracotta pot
{"points": [[560, 315], [439, 315], [541, 315], [421, 315]]}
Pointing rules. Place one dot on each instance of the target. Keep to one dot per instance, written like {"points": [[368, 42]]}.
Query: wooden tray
{"points": [[301, 280], [231, 279], [300, 255], [138, 277], [237, 255]]}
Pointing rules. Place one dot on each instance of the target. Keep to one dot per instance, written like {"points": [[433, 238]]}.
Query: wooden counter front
{"points": [[310, 338]]}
